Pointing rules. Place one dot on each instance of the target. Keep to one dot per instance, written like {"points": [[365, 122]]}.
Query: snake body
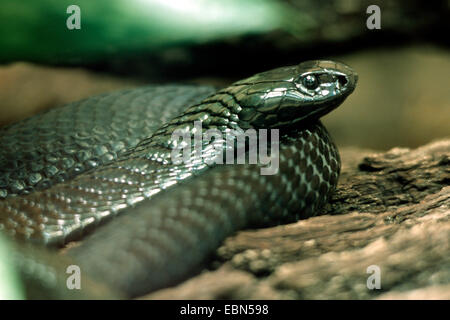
{"points": [[69, 170]]}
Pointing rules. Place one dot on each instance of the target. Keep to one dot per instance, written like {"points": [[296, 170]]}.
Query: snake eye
{"points": [[310, 82]]}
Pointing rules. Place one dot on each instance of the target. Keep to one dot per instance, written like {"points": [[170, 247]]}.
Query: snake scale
{"points": [[101, 170]]}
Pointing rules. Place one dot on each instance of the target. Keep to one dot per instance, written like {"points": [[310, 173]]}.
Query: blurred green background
{"points": [[402, 97]]}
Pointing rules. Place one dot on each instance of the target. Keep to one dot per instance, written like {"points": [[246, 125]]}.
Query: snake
{"points": [[100, 174]]}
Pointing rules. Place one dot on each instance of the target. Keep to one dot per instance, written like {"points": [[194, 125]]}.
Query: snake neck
{"points": [[216, 117]]}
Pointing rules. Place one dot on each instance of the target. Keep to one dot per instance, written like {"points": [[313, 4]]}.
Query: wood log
{"points": [[391, 209]]}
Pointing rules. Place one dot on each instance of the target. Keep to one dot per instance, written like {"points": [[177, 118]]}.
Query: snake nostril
{"points": [[342, 80]]}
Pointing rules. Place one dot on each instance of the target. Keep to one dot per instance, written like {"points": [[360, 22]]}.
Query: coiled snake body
{"points": [[68, 171]]}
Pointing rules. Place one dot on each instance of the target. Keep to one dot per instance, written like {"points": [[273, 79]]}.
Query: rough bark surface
{"points": [[391, 210]]}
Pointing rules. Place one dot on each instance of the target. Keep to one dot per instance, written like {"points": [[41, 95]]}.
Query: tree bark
{"points": [[390, 210]]}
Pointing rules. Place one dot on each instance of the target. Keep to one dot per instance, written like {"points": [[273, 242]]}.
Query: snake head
{"points": [[293, 95]]}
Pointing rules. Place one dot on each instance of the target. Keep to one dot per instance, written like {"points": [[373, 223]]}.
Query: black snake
{"points": [[66, 171]]}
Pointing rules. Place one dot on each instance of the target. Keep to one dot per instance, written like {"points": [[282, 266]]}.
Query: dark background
{"points": [[402, 98]]}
